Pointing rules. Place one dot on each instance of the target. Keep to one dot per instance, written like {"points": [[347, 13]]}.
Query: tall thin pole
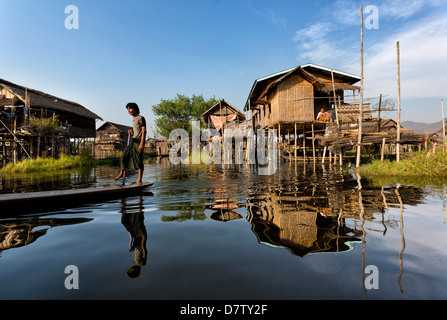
{"points": [[359, 146], [443, 125], [398, 104], [335, 99]]}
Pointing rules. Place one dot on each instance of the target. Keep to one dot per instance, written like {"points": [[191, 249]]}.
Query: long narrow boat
{"points": [[67, 197]]}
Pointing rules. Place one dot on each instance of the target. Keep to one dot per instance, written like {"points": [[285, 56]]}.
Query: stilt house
{"points": [[22, 108], [295, 96], [111, 139], [221, 114]]}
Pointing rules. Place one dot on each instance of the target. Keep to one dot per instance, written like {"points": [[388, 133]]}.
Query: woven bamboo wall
{"points": [[298, 227], [295, 100]]}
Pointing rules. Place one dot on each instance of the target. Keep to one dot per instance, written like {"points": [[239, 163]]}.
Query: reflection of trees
{"points": [[213, 189], [20, 232]]}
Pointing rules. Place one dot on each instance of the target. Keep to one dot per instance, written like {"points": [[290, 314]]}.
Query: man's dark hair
{"points": [[133, 106]]}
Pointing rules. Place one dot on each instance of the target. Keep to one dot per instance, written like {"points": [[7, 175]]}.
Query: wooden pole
{"points": [[359, 146], [295, 143], [398, 104], [443, 125], [313, 142], [324, 154], [382, 156], [380, 106], [279, 138], [304, 143], [335, 98]]}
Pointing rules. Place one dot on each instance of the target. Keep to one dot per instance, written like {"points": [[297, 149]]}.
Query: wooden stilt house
{"points": [[111, 139], [297, 95], [290, 102], [221, 114], [34, 123]]}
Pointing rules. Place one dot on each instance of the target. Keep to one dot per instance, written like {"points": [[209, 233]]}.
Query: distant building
{"points": [[157, 147], [221, 114], [111, 139]]}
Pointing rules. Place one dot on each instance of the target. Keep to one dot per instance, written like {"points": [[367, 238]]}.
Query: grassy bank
{"points": [[49, 164], [431, 164]]}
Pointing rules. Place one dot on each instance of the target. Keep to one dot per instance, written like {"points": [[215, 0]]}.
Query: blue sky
{"points": [[144, 51]]}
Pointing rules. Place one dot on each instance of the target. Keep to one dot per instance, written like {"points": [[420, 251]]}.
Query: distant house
{"points": [[157, 147], [21, 107], [111, 139], [220, 114]]}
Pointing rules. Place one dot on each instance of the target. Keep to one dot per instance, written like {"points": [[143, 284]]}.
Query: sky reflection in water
{"points": [[207, 232]]}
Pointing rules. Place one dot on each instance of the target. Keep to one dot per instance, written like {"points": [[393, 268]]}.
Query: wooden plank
{"points": [[57, 196]]}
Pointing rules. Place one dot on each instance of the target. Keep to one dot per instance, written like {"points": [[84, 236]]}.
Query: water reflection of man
{"points": [[133, 221]]}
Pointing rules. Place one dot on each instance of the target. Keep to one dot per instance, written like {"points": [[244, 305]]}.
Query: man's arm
{"points": [[143, 139]]}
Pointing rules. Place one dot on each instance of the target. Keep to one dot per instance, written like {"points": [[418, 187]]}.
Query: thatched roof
{"points": [[39, 99], [265, 85], [120, 127], [227, 109]]}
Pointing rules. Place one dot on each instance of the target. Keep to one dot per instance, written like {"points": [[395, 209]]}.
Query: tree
{"points": [[178, 113]]}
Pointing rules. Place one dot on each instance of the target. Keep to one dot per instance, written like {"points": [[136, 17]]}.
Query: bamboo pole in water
{"points": [[398, 105], [296, 146], [443, 125], [335, 99], [359, 146], [313, 143]]}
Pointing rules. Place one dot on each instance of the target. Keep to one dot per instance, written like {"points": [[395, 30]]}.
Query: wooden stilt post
{"points": [[324, 154], [382, 156], [313, 143], [279, 138], [398, 105], [304, 142], [335, 99], [295, 144], [359, 146], [443, 126]]}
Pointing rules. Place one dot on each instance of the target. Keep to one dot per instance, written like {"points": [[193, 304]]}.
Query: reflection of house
{"points": [[298, 223], [21, 107], [21, 232], [321, 213], [111, 139]]}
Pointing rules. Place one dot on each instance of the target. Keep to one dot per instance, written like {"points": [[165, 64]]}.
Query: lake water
{"points": [[227, 233]]}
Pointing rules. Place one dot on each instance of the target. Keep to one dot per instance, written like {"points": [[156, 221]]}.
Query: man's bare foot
{"points": [[119, 176], [138, 183]]}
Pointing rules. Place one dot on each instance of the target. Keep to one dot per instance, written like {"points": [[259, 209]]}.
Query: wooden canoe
{"points": [[68, 197]]}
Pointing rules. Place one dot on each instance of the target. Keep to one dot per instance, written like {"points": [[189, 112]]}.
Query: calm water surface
{"points": [[229, 233]]}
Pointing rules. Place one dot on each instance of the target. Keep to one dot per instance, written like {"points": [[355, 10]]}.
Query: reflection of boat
{"points": [[66, 197]]}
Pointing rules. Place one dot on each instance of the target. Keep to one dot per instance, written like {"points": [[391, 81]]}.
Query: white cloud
{"points": [[403, 9], [423, 49], [313, 32]]}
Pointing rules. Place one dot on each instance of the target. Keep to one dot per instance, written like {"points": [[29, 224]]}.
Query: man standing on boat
{"points": [[132, 157]]}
